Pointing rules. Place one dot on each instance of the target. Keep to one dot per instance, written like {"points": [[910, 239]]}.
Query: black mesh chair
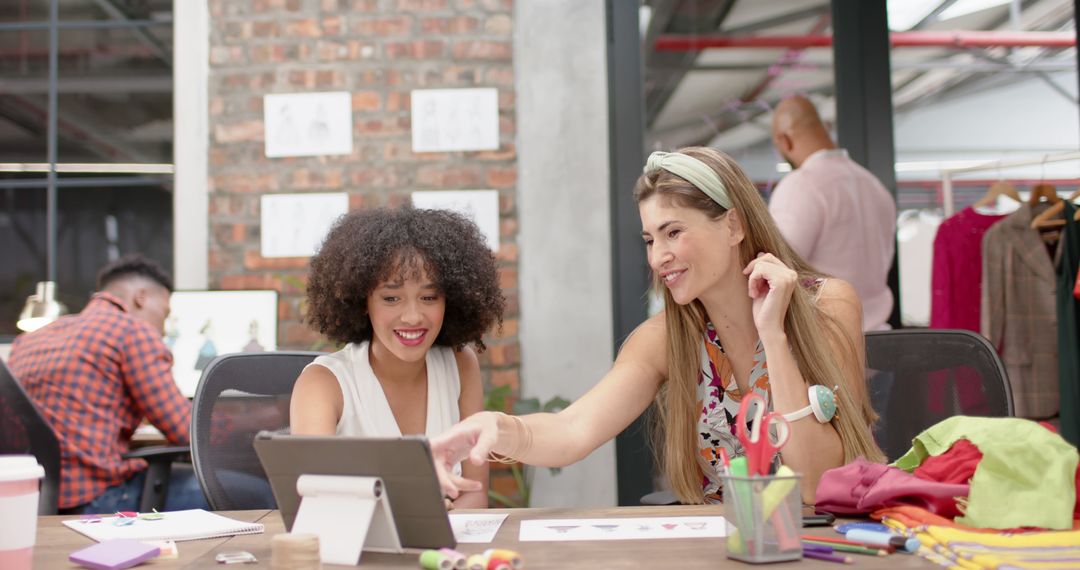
{"points": [[238, 396], [24, 431], [918, 377]]}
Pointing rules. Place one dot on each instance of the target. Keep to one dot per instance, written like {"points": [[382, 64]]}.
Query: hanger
{"points": [[999, 188], [1041, 191], [1050, 217]]}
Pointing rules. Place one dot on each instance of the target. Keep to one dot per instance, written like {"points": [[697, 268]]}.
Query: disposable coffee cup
{"points": [[19, 479]]}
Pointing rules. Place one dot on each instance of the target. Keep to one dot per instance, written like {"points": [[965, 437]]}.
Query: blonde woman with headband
{"points": [[743, 313]]}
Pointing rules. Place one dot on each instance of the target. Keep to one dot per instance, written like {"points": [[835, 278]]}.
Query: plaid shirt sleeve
{"points": [[147, 371]]}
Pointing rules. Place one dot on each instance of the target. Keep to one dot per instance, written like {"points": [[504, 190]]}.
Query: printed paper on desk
{"points": [[622, 529], [475, 528]]}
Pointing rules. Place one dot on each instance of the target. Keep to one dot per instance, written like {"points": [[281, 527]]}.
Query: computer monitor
{"points": [[205, 324], [404, 464]]}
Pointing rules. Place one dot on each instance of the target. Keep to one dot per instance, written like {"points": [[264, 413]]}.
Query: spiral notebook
{"points": [[195, 524]]}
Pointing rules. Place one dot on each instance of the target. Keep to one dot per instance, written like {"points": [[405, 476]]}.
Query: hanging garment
{"points": [[956, 282], [1018, 314], [1068, 313], [915, 231], [1031, 466]]}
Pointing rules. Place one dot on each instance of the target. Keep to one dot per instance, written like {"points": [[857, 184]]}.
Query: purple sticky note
{"points": [[114, 554]]}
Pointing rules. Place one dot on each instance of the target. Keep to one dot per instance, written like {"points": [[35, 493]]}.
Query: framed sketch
{"points": [[205, 324], [308, 124], [480, 206]]}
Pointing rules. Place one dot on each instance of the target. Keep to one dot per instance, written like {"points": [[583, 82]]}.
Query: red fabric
{"points": [[1076, 289], [95, 376], [956, 280], [862, 487], [956, 465]]}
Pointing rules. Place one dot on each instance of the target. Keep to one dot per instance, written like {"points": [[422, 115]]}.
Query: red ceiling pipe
{"points": [[898, 39]]}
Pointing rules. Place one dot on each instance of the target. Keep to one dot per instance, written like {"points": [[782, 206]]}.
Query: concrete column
{"points": [[191, 72], [565, 239]]}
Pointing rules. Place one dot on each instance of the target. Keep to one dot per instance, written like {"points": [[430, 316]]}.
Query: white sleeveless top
{"points": [[366, 411]]}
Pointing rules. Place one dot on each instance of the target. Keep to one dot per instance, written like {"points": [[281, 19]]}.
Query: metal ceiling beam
{"points": [[89, 85], [113, 9], [73, 129], [779, 20], [1037, 67], [90, 182], [934, 14], [949, 39], [687, 17], [83, 25], [960, 82]]}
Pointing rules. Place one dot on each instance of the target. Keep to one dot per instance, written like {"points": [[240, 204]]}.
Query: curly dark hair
{"points": [[133, 265], [368, 247]]}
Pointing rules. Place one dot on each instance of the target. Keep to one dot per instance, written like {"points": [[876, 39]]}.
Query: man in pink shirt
{"points": [[834, 212]]}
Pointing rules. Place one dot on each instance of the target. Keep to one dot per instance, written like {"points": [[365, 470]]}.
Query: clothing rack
{"points": [[948, 173]]}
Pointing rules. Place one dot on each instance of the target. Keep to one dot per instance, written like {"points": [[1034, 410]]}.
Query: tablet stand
{"points": [[349, 515]]}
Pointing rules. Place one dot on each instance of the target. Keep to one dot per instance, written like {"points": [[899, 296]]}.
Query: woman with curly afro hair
{"points": [[408, 291]]}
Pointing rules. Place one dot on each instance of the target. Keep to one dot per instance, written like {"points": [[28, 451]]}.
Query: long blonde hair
{"points": [[675, 413]]}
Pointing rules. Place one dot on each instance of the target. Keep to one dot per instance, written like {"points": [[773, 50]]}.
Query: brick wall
{"points": [[378, 50]]}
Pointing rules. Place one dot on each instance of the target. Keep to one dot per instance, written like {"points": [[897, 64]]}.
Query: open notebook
{"points": [[195, 524]]}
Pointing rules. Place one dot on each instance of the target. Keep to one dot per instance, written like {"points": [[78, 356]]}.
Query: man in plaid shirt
{"points": [[96, 376]]}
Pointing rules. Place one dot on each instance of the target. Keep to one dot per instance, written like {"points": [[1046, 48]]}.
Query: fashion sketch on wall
{"points": [[206, 324]]}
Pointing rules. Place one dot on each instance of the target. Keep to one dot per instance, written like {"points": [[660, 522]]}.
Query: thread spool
{"points": [[435, 560], [295, 552], [508, 556], [456, 557], [476, 562]]}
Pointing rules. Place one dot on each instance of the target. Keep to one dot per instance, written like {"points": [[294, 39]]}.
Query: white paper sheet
{"points": [[475, 528], [622, 529], [455, 119], [294, 225], [480, 206], [308, 124]]}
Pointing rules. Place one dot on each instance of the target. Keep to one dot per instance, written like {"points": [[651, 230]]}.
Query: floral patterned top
{"points": [[719, 399]]}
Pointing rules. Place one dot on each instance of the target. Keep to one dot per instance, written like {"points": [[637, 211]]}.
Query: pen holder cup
{"points": [[764, 516]]}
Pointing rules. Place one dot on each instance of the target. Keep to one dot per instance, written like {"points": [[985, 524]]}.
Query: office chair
{"points": [[238, 396], [918, 377], [24, 431]]}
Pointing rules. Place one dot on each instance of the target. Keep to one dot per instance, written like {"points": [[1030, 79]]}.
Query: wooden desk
{"points": [[616, 554]]}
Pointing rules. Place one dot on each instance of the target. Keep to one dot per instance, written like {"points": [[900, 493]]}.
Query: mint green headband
{"points": [[693, 171]]}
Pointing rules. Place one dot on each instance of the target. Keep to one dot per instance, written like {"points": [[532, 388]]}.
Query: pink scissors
{"points": [[757, 439]]}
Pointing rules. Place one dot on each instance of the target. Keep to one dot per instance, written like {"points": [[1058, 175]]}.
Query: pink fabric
{"points": [[841, 219], [862, 487], [956, 281]]}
